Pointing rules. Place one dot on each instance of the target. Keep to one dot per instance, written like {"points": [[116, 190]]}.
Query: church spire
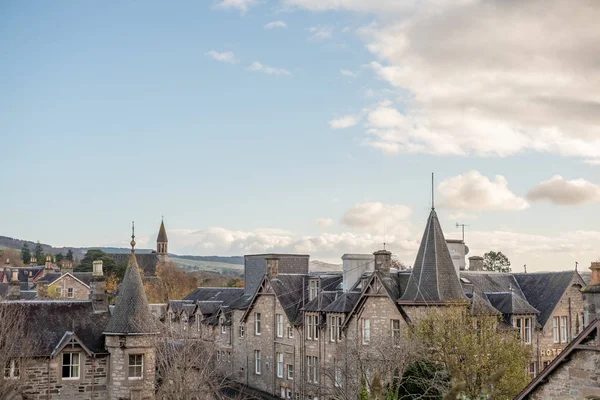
{"points": [[162, 243]]}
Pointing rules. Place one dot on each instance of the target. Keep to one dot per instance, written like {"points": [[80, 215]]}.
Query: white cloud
{"points": [[344, 122], [461, 216], [475, 192], [524, 86], [348, 73], [539, 252], [324, 223], [594, 161], [275, 24], [258, 67], [325, 246], [320, 32], [376, 215], [226, 56], [558, 190], [242, 5]]}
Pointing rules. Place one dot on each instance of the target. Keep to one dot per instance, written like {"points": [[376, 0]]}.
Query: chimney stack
{"points": [[14, 287], [48, 261], [272, 267], [591, 296], [98, 288], [33, 261], [475, 263], [383, 261], [98, 270], [42, 289], [66, 267]]}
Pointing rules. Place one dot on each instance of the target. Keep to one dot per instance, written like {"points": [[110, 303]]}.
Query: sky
{"points": [[305, 126]]}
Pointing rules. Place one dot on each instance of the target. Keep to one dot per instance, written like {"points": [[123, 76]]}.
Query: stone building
{"points": [[289, 333], [77, 349], [575, 373]]}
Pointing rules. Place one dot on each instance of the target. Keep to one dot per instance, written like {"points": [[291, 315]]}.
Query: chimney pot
{"points": [[98, 270], [476, 263]]}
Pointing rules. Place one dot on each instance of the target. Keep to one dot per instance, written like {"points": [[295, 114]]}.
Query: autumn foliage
{"points": [[171, 283]]}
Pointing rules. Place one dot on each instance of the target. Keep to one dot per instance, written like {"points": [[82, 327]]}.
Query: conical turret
{"points": [[433, 278]]}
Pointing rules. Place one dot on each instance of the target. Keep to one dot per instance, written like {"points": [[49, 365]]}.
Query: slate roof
{"points": [[226, 295], [291, 294], [162, 233], [320, 302], [480, 304], [509, 303], [132, 314], [493, 282], [85, 277], [52, 277], [543, 290], [146, 261], [47, 322], [208, 308], [433, 278], [344, 303]]}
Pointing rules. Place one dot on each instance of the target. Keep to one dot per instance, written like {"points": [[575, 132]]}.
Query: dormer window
{"points": [[313, 289]]}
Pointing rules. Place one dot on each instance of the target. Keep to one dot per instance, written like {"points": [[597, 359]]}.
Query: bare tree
{"points": [[15, 344], [187, 368], [376, 368]]}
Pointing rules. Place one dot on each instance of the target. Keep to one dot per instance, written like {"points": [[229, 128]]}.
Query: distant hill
{"points": [[231, 265]]}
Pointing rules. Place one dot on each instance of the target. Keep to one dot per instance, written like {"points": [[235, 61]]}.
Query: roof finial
{"points": [[384, 245], [132, 236], [432, 194], [576, 264], [525, 267]]}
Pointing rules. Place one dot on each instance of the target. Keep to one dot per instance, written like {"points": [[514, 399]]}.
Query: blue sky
{"points": [[317, 135]]}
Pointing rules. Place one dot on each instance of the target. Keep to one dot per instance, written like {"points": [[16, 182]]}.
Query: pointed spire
{"points": [[433, 278], [162, 233], [132, 314]]}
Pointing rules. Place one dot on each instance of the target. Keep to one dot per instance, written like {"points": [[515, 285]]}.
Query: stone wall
{"points": [[570, 306], [120, 385], [42, 378], [574, 379], [80, 290]]}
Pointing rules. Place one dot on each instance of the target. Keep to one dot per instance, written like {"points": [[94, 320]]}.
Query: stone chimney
{"points": [[48, 262], [66, 267], [98, 288], [272, 267], [591, 296], [97, 268], [475, 263], [383, 261], [14, 287], [42, 289], [33, 261]]}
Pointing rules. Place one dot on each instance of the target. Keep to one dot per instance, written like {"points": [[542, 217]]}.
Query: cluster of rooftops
{"points": [[432, 280]]}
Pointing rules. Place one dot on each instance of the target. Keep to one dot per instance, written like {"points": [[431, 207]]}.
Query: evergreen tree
{"points": [[69, 255], [25, 254], [108, 263], [59, 257], [39, 253]]}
